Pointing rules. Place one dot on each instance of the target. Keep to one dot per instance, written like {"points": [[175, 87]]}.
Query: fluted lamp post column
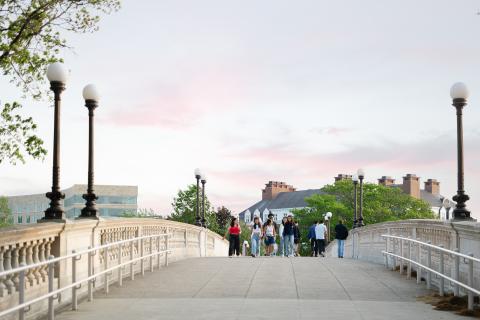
{"points": [[203, 181], [91, 96], [57, 74], [355, 183], [361, 176], [198, 219], [459, 93]]}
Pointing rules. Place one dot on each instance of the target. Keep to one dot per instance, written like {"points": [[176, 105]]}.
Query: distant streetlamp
{"points": [[57, 74], [361, 175], [447, 204], [328, 217], [198, 175], [91, 96], [459, 94], [203, 180], [355, 183]]}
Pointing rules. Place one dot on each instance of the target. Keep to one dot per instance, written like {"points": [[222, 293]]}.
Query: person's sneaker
{"points": [[253, 256], [322, 255]]}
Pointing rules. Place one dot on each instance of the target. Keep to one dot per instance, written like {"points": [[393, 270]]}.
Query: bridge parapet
{"points": [[33, 244], [366, 243]]}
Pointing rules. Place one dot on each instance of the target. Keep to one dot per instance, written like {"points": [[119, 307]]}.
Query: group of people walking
{"points": [[288, 232]]}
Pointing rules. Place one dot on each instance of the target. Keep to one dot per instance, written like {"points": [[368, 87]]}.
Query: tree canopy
{"points": [[185, 205], [5, 212], [32, 35], [380, 204]]}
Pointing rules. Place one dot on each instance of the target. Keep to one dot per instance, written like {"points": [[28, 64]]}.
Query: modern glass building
{"points": [[112, 201]]}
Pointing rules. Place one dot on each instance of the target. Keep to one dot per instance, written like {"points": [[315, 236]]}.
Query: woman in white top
{"points": [[270, 235]]}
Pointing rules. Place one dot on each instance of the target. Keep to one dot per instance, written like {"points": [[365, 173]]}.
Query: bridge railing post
{"points": [[429, 265], [90, 273], [456, 274], [401, 255], [409, 265], [142, 260], [120, 269], [441, 284], [105, 265], [151, 254], [394, 250], [419, 260], [51, 310], [166, 250], [21, 291], [132, 264], [74, 279], [158, 252], [470, 282], [386, 250]]}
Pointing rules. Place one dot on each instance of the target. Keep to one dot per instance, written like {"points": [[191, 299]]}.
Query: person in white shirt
{"points": [[320, 233]]}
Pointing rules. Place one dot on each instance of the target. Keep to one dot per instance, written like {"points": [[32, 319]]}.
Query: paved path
{"points": [[263, 288]]}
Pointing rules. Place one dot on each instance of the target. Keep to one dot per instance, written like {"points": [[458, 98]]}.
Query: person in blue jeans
{"points": [[288, 236], [257, 234], [282, 240], [341, 233]]}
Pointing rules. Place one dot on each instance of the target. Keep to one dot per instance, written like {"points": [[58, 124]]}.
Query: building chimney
{"points": [[342, 176], [432, 186], [411, 185], [273, 188], [386, 181]]}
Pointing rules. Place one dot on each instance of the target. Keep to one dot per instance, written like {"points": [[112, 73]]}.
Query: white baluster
{"points": [[3, 287], [15, 264], [7, 264], [42, 258], [36, 271], [29, 258]]}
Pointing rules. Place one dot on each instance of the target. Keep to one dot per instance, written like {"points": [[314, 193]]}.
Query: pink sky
{"points": [[272, 90]]}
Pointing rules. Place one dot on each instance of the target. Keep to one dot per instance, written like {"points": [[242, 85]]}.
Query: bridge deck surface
{"points": [[263, 288]]}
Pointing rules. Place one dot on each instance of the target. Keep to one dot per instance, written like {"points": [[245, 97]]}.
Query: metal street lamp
{"points": [[91, 96], [355, 183], [361, 175], [459, 94], [447, 204], [198, 220], [57, 74], [328, 217], [203, 180]]}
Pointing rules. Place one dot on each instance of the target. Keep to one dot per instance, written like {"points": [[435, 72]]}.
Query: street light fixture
{"points": [[361, 175], [459, 94], [447, 204], [328, 217], [355, 183], [57, 74], [203, 180], [91, 96], [198, 175]]}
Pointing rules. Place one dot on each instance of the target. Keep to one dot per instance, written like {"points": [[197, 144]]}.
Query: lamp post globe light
{"points": [[328, 217], [91, 96], [447, 204], [459, 94], [361, 175], [203, 180], [57, 75], [198, 175], [355, 183]]}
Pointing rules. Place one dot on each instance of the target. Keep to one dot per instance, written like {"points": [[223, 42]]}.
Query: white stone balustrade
{"points": [[367, 244], [31, 244]]}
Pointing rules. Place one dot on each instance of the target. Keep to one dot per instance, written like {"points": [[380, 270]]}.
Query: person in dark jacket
{"points": [[288, 236], [296, 238], [311, 236], [341, 233]]}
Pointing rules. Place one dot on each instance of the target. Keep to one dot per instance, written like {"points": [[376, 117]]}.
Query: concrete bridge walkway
{"points": [[263, 288]]}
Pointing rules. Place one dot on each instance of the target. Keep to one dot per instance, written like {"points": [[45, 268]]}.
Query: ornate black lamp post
{"points": [[355, 183], [198, 220], [459, 94], [57, 74], [91, 96], [203, 180], [361, 175]]}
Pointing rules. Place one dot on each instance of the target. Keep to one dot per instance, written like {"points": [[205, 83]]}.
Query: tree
{"points": [[184, 208], [17, 136], [223, 217], [31, 37], [380, 204], [5, 212]]}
